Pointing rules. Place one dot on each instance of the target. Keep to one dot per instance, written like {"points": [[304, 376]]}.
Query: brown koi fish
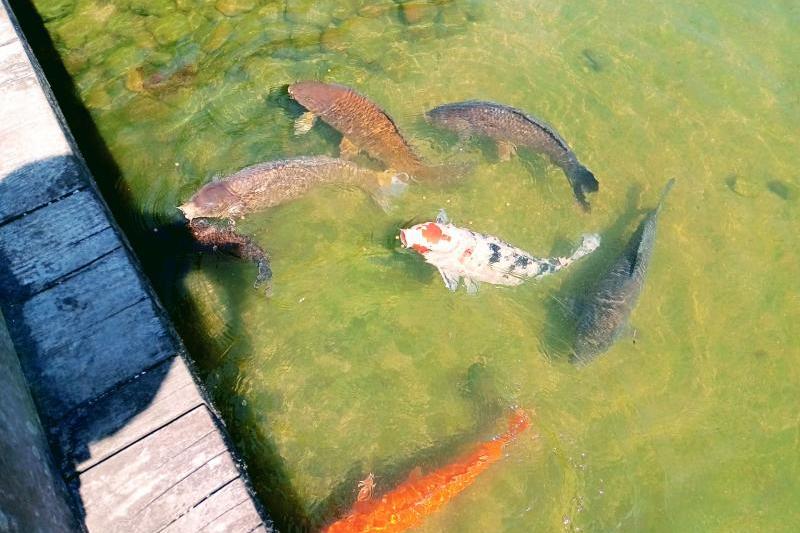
{"points": [[269, 184], [266, 185], [408, 504], [363, 125]]}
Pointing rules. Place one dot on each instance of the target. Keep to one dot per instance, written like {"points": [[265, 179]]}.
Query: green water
{"points": [[363, 362]]}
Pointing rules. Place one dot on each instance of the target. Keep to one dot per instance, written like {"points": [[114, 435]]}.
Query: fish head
{"points": [[314, 95], [214, 201], [426, 237]]}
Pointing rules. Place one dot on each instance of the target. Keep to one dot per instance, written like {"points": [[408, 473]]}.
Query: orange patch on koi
{"points": [[433, 233], [421, 249]]}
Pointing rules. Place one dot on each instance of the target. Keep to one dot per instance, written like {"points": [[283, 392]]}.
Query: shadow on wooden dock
{"points": [[134, 436]]}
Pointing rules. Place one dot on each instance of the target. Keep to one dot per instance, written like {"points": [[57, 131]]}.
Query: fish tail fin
{"points": [[388, 186], [583, 182], [589, 243]]}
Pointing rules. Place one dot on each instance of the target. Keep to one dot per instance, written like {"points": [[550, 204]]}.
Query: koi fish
{"points": [[269, 184], [510, 128], [604, 313], [266, 185], [363, 125], [408, 504], [462, 253]]}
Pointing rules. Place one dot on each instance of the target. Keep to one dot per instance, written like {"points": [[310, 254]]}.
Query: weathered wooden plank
{"points": [[78, 339], [7, 33], [97, 430], [91, 295], [228, 510], [136, 487], [38, 183], [39, 248], [36, 165], [182, 497], [29, 129]]}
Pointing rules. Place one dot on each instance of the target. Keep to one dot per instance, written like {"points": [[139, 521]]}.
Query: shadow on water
{"points": [[558, 335], [166, 257]]}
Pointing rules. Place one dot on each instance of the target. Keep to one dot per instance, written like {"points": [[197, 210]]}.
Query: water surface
{"points": [[363, 362]]}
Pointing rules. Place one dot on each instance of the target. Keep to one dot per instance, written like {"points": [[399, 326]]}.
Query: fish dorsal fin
{"points": [[442, 218], [648, 230], [664, 193]]}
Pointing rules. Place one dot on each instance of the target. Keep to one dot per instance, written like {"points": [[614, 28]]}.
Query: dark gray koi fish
{"points": [[266, 185], [603, 314], [363, 125], [511, 128], [224, 237]]}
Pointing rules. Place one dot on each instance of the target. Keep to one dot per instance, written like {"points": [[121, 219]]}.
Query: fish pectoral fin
{"points": [[471, 285], [389, 185], [348, 150], [304, 123], [451, 280], [442, 218], [505, 150]]}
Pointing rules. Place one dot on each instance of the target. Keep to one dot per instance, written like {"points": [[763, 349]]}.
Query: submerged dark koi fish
{"points": [[604, 313], [363, 125], [408, 504], [511, 128], [462, 253], [266, 185]]}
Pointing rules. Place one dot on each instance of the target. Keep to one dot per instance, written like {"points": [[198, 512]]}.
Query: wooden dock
{"points": [[135, 438]]}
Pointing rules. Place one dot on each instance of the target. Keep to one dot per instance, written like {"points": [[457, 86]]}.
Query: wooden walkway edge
{"points": [[133, 433]]}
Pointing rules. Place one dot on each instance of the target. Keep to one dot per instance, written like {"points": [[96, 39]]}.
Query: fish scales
{"points": [[499, 121], [410, 503], [359, 120], [269, 184], [511, 128], [462, 253], [604, 313]]}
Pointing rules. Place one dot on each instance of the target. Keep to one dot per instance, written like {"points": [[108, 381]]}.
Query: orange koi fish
{"points": [[410, 502]]}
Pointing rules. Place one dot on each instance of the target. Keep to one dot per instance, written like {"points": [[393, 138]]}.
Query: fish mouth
{"points": [[403, 238]]}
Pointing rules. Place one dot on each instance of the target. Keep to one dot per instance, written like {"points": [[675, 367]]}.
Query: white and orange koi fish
{"points": [[462, 253]]}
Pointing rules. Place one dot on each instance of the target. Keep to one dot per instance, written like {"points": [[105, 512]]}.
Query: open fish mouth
{"points": [[403, 238]]}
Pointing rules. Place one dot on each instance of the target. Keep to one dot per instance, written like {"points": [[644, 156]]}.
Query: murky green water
{"points": [[363, 362]]}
